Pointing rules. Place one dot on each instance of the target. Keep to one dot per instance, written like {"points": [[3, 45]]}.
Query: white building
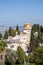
{"points": [[21, 40]]}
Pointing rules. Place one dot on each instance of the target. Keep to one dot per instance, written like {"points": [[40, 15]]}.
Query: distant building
{"points": [[21, 40]]}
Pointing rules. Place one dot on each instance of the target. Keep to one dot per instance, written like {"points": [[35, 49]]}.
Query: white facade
{"points": [[21, 40]]}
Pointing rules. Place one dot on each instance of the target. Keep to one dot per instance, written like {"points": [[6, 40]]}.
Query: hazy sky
{"points": [[13, 12]]}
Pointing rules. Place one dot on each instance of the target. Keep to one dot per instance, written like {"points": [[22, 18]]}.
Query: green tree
{"points": [[41, 29], [38, 56], [2, 45], [0, 36], [21, 55], [10, 29], [17, 29], [6, 35], [13, 32], [34, 42]]}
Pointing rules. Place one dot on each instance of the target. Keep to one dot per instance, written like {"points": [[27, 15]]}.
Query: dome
{"points": [[27, 26]]}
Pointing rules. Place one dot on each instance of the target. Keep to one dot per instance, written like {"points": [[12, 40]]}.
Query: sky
{"points": [[13, 12]]}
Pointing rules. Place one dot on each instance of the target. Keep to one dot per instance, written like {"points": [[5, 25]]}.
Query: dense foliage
{"points": [[37, 57], [2, 45], [0, 36], [21, 55], [18, 57], [10, 32], [34, 42], [6, 35], [41, 28]]}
